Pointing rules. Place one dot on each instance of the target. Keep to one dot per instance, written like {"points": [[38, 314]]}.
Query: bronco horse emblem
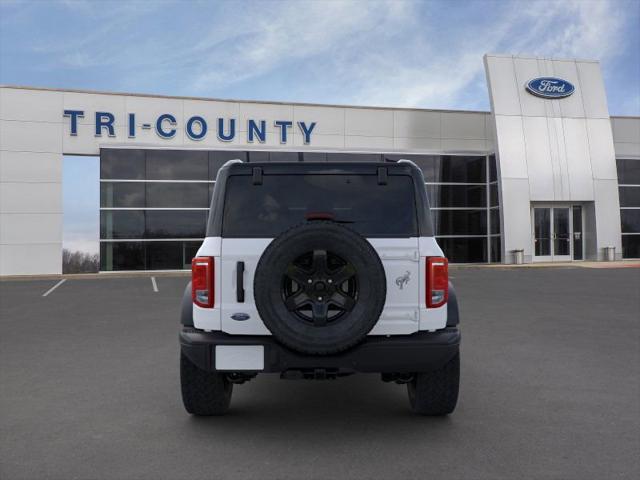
{"points": [[402, 280]]}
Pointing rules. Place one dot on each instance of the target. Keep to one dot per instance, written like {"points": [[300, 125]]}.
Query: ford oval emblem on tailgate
{"points": [[241, 317]]}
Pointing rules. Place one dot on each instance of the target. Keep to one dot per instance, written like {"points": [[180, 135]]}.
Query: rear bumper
{"points": [[419, 352]]}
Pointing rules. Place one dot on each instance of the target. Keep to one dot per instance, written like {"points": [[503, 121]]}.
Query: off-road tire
{"points": [[203, 393], [436, 393], [334, 337]]}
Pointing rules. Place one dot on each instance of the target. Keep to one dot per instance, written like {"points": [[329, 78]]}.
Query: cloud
{"points": [[574, 28], [81, 245], [283, 36], [92, 33], [80, 60], [386, 56], [561, 29], [392, 53]]}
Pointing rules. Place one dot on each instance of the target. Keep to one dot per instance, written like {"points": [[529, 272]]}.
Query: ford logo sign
{"points": [[550, 87], [240, 317]]}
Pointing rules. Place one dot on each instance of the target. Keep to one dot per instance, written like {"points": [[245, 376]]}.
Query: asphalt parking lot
{"points": [[550, 389]]}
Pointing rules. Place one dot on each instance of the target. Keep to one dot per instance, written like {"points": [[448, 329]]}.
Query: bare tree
{"points": [[79, 262]]}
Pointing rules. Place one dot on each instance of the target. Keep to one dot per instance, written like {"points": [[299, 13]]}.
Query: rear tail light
{"points": [[437, 281], [202, 283]]}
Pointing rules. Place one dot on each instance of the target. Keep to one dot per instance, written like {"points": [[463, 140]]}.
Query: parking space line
{"points": [[154, 284], [54, 287]]}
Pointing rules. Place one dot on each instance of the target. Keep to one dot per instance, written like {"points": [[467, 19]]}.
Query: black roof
{"points": [[362, 168]]}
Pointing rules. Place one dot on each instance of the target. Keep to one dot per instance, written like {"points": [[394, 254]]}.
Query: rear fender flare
{"points": [[453, 313], [186, 309]]}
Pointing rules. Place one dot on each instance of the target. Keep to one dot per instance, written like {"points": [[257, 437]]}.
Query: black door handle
{"points": [[240, 282]]}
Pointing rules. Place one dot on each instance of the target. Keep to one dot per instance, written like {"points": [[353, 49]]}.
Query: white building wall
{"points": [[337, 127], [626, 136], [548, 150], [30, 182], [559, 150], [34, 136]]}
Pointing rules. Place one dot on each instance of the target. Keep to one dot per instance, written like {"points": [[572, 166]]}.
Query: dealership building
{"points": [[546, 175]]}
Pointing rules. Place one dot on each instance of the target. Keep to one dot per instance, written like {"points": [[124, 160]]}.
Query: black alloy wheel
{"points": [[320, 287]]}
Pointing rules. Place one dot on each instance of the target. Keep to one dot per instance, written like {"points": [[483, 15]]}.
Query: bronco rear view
{"points": [[317, 271]]}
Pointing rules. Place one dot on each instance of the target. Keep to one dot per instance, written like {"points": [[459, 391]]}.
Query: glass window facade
{"points": [[154, 195], [465, 249], [631, 246], [629, 191], [152, 224], [449, 168], [495, 230], [177, 195], [629, 197], [154, 203], [123, 164], [166, 165], [122, 195], [460, 222], [460, 196], [147, 255], [464, 199], [628, 171]]}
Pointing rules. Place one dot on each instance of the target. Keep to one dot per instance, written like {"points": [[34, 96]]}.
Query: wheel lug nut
{"points": [[329, 281], [320, 298], [309, 281]]}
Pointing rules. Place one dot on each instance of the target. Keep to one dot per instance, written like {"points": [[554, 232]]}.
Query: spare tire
{"points": [[320, 288]]}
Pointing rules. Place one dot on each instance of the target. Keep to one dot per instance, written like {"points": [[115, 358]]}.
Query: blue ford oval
{"points": [[550, 87]]}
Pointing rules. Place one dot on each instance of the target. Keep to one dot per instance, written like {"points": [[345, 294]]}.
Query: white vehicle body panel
{"points": [[249, 251], [239, 357], [404, 263]]}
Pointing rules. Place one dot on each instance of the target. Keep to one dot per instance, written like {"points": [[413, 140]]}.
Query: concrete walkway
{"points": [[580, 264]]}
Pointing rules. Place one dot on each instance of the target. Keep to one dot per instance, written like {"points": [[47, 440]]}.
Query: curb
{"points": [[95, 276]]}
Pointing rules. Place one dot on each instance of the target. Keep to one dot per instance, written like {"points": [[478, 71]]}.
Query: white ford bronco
{"points": [[316, 271]]}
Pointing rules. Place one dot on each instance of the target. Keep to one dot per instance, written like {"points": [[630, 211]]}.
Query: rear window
{"points": [[282, 201]]}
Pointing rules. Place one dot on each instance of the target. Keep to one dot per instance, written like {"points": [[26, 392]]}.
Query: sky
{"points": [[81, 204], [380, 53]]}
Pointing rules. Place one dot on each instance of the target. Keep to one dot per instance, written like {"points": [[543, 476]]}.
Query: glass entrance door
{"points": [[561, 234], [542, 233], [557, 233]]}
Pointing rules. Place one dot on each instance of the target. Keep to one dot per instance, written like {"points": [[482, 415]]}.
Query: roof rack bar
{"points": [[404, 160], [232, 161]]}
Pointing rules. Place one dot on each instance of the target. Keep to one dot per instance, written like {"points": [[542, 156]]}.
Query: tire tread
{"points": [[203, 393], [435, 393]]}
